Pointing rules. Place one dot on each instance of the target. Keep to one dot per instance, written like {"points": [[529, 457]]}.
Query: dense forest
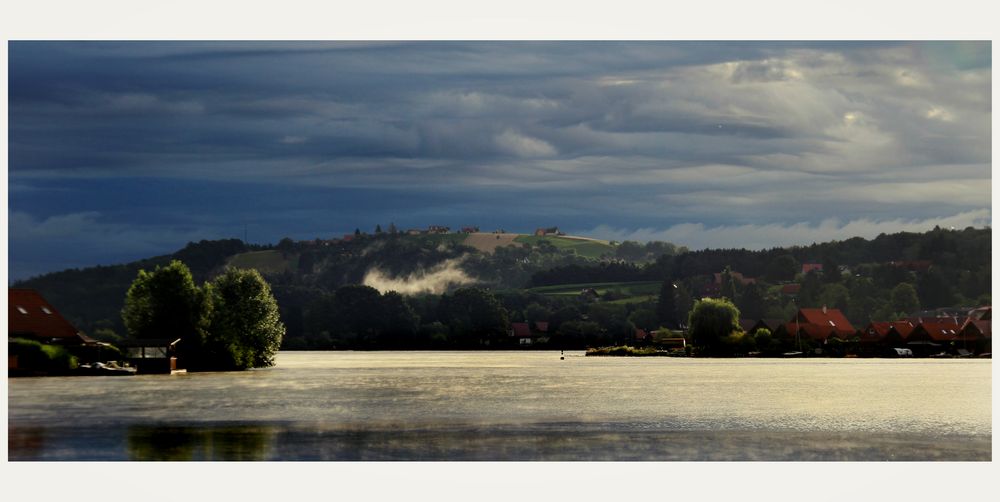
{"points": [[316, 284]]}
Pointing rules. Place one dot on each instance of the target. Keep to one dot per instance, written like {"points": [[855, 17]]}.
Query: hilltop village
{"points": [[898, 295]]}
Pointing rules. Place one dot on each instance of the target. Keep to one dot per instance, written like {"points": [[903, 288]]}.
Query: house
{"points": [[521, 332], [977, 336], [826, 317], [437, 229], [811, 267], [876, 338], [590, 294], [641, 337], [31, 316], [547, 231], [818, 325], [470, 230], [805, 331], [932, 336], [152, 356], [666, 339]]}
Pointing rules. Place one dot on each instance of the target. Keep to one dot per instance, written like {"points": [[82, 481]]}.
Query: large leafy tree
{"points": [[666, 304], [474, 315], [245, 330], [166, 304], [711, 321], [903, 299]]}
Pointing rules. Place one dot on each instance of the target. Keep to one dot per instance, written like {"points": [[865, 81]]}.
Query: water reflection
{"points": [[197, 443], [514, 406]]}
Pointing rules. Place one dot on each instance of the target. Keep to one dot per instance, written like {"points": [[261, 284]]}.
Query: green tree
{"points": [[399, 323], [474, 315], [644, 318], [835, 296], [536, 312], [781, 268], [728, 287], [166, 304], [710, 323], [245, 329], [812, 287], [935, 290], [903, 299], [752, 303], [666, 304]]}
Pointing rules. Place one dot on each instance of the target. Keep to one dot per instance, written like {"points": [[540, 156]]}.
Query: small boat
{"points": [[104, 369]]}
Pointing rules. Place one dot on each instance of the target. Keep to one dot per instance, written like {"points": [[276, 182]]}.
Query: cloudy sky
{"points": [[119, 151]]}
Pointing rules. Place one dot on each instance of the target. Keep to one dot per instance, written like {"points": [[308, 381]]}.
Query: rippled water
{"points": [[515, 406]]}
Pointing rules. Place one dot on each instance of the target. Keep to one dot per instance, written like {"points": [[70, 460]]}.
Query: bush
{"points": [[625, 350], [32, 355]]}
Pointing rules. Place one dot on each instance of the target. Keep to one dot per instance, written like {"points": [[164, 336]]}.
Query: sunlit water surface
{"points": [[514, 406]]}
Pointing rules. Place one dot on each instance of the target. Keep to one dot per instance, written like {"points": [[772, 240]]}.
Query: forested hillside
{"points": [[879, 278]]}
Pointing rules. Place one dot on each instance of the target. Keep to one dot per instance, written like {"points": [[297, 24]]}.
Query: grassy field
{"points": [[590, 248], [640, 289], [265, 262]]}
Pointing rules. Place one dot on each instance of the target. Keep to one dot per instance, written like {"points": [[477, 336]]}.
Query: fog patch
{"points": [[434, 280]]}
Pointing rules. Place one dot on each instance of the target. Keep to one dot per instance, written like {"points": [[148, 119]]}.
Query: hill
{"points": [[946, 268]]}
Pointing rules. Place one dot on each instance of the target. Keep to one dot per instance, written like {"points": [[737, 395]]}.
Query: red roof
{"points": [[809, 267], [521, 329], [640, 334], [938, 330], [826, 317], [814, 331], [880, 330], [975, 329], [542, 326], [29, 314]]}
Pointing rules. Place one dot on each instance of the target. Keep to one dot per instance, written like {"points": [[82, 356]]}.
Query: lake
{"points": [[514, 406]]}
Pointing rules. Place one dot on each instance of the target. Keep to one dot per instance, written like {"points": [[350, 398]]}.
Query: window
{"points": [[21, 310], [46, 310]]}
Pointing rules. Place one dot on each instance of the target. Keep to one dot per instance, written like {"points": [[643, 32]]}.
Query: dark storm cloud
{"points": [[615, 136]]}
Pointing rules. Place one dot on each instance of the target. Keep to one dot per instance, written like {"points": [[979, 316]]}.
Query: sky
{"points": [[125, 150]]}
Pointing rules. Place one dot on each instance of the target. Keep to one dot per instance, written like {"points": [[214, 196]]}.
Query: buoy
{"points": [[562, 358]]}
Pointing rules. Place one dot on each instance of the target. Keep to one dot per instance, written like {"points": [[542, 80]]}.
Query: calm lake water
{"points": [[514, 406]]}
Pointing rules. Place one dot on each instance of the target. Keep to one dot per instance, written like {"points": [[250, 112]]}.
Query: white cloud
{"points": [[699, 236], [515, 143]]}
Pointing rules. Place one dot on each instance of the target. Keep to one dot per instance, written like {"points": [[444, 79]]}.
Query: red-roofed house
{"points": [[879, 336], [522, 332], [30, 316], [827, 317], [809, 267], [977, 335], [931, 336]]}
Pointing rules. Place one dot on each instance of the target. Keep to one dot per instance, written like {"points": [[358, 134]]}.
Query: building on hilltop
{"points": [[541, 232]]}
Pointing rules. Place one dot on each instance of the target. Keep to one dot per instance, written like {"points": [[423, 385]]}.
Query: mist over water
{"points": [[515, 406]]}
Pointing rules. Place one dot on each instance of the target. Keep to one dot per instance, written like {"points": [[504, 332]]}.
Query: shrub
{"points": [[32, 355]]}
